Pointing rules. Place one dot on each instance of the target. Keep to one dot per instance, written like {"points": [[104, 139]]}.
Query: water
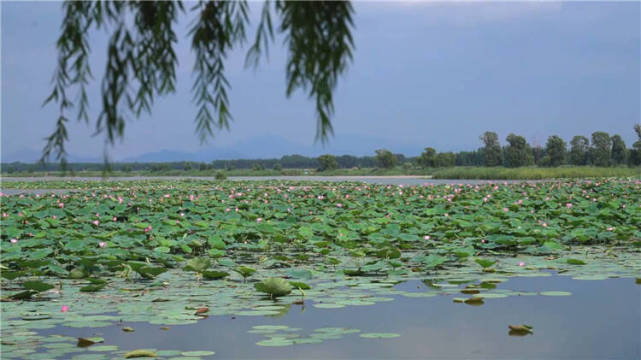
{"points": [[383, 180], [600, 320]]}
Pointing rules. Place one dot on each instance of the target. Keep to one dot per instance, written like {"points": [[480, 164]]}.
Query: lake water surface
{"points": [[600, 320]]}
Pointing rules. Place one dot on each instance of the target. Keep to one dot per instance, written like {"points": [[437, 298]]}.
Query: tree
{"points": [[601, 149], [619, 151], [556, 150], [635, 153], [447, 159], [427, 158], [327, 162], [579, 147], [518, 152], [538, 154], [492, 153], [385, 158], [141, 62]]}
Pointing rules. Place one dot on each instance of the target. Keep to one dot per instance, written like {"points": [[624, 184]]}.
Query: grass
{"points": [[534, 173]]}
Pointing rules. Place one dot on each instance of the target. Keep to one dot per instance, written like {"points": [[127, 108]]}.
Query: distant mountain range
{"points": [[261, 147]]}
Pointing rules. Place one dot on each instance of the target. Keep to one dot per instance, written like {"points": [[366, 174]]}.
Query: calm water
{"points": [[385, 180], [600, 320]]}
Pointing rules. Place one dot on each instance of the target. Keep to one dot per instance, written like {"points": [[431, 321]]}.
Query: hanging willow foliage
{"points": [[141, 62]]}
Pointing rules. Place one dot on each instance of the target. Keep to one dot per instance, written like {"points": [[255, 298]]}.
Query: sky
{"points": [[424, 74]]}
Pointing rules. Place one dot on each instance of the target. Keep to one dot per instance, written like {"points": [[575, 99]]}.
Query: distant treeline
{"points": [[600, 150]]}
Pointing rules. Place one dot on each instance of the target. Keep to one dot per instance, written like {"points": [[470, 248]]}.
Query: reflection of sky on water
{"points": [[601, 320]]}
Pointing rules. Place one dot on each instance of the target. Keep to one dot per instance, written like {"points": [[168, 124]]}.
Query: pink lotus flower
{"points": [[4, 215], [610, 228], [115, 219], [64, 308], [54, 217], [505, 209], [521, 263], [13, 241], [227, 210], [544, 225], [483, 241], [119, 200], [339, 205], [426, 237], [568, 205], [102, 244], [96, 222], [259, 219], [191, 197]]}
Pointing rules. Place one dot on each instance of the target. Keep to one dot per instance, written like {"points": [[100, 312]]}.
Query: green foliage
{"points": [[428, 158], [245, 271], [579, 148], [445, 160], [556, 150], [199, 264], [619, 151], [141, 61], [518, 152], [275, 287], [492, 153], [385, 159], [533, 173], [327, 162], [600, 152]]}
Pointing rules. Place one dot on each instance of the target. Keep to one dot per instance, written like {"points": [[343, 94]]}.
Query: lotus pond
{"points": [[246, 269]]}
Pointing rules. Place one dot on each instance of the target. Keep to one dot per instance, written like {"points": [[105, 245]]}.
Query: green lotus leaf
{"points": [[275, 287]]}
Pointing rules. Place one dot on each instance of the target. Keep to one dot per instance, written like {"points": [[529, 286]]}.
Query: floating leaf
{"points": [[575, 262], [520, 330], [214, 275], [140, 353], [92, 288], [379, 335], [197, 353], [36, 285], [84, 342]]}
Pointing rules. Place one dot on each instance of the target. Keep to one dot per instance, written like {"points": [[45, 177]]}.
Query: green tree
{"points": [[447, 159], [635, 153], [601, 149], [427, 158], [492, 153], [327, 162], [579, 147], [538, 154], [619, 151], [141, 61], [517, 152], [556, 150], [385, 158]]}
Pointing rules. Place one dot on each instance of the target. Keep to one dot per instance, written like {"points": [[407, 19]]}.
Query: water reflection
{"points": [[599, 321]]}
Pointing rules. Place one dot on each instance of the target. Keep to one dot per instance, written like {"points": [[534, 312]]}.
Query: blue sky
{"points": [[424, 74]]}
